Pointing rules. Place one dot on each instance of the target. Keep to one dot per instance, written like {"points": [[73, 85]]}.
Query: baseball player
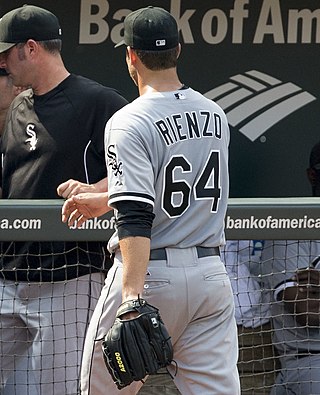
{"points": [[55, 131], [291, 269], [167, 160]]}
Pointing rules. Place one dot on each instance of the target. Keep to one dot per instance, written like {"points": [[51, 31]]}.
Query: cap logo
{"points": [[160, 43]]}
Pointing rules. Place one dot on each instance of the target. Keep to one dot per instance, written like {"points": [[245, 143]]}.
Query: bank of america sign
{"points": [[255, 101]]}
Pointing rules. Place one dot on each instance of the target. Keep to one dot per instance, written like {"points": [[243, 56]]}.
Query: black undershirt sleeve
{"points": [[133, 219]]}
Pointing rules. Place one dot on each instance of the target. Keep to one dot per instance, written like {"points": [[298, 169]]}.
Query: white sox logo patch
{"points": [[32, 140], [116, 166]]}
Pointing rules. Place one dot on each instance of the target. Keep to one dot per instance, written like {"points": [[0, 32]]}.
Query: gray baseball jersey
{"points": [[170, 149]]}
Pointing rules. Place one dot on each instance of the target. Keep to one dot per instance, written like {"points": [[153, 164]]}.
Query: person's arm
{"points": [[303, 299], [73, 187], [134, 222], [80, 208], [135, 253]]}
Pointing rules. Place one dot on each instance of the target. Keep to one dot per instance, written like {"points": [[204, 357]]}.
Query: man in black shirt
{"points": [[55, 132]]}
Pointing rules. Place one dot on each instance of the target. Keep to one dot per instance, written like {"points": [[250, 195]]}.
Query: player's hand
{"points": [[73, 187], [303, 300], [80, 208], [308, 277]]}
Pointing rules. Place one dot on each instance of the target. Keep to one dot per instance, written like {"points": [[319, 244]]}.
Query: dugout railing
{"points": [[246, 219]]}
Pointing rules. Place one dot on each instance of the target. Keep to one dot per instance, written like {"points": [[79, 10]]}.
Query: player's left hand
{"points": [[138, 346], [80, 208]]}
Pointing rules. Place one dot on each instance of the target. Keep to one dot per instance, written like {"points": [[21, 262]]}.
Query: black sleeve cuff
{"points": [[134, 219]]}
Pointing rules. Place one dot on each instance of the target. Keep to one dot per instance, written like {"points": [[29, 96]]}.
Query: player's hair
{"points": [[52, 46], [158, 60]]}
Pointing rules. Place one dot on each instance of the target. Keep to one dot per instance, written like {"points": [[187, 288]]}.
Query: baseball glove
{"points": [[136, 347]]}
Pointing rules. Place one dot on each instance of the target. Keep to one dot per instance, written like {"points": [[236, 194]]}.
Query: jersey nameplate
{"points": [[189, 125]]}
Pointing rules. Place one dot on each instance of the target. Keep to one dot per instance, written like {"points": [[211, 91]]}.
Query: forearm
{"points": [[135, 253], [102, 185]]}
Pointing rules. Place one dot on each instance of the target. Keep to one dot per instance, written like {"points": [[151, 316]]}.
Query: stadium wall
{"points": [[256, 58]]}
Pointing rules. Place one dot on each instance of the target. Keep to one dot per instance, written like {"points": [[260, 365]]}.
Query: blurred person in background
{"points": [[8, 92], [291, 270], [242, 259]]}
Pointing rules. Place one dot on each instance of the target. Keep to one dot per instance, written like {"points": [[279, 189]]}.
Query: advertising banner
{"points": [[258, 59]]}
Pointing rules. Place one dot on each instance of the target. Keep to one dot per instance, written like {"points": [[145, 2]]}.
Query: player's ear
{"points": [[31, 47], [132, 55]]}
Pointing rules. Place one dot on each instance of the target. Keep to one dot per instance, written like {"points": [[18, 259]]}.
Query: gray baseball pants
{"points": [[195, 300]]}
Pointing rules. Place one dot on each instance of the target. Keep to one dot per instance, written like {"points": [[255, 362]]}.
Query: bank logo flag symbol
{"points": [[256, 101]]}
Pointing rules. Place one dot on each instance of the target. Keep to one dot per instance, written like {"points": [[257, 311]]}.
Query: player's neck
{"points": [[158, 81], [51, 73]]}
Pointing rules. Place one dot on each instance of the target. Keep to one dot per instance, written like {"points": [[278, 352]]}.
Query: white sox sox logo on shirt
{"points": [[32, 140], [116, 166]]}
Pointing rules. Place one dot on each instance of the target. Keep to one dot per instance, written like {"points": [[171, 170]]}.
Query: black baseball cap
{"points": [[150, 29], [28, 22]]}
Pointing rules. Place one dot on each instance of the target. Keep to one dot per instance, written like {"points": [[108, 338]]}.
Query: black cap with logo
{"points": [[150, 29], [28, 22]]}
